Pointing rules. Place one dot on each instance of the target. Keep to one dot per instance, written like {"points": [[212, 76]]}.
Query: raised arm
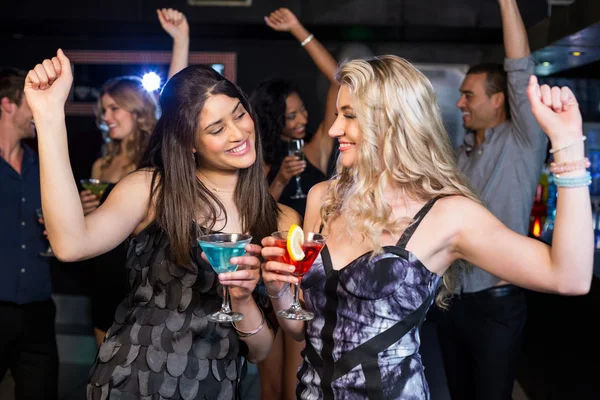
{"points": [[73, 236], [283, 20], [567, 266], [176, 25], [516, 44], [519, 66]]}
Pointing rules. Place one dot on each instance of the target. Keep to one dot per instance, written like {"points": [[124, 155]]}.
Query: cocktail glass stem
{"points": [[225, 307], [295, 306]]}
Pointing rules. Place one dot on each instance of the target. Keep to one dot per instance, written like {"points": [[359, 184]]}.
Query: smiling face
{"points": [[296, 117], [346, 128], [120, 122], [225, 140], [479, 110]]}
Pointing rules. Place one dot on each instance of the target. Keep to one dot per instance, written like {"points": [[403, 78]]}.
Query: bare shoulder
{"points": [[287, 217], [314, 201], [317, 192], [459, 212], [141, 178], [456, 206]]}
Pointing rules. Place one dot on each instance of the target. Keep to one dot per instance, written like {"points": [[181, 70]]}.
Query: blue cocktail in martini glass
{"points": [[220, 248]]}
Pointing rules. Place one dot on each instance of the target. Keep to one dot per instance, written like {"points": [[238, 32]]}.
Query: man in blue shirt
{"points": [[27, 312]]}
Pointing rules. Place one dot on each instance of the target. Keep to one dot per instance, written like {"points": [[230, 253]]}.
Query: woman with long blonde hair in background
{"points": [[126, 113], [398, 216]]}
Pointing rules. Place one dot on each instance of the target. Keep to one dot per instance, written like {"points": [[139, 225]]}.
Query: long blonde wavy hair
{"points": [[404, 145], [129, 94]]}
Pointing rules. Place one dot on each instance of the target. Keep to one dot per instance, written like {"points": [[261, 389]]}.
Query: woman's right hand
{"points": [[282, 20], [291, 166], [89, 201], [48, 84], [275, 274]]}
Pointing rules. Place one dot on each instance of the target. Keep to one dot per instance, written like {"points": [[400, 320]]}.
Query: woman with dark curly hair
{"points": [[283, 117]]}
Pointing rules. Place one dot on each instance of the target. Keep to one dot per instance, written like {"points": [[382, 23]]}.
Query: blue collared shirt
{"points": [[24, 274]]}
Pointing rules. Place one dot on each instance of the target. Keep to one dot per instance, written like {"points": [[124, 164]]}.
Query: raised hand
{"points": [[282, 20], [174, 23], [556, 110], [291, 166], [48, 84]]}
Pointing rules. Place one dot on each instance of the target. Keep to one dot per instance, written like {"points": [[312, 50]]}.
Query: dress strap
{"points": [[408, 232], [326, 259]]}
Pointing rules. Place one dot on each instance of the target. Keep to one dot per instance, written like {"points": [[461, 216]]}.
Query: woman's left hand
{"points": [[243, 281]]}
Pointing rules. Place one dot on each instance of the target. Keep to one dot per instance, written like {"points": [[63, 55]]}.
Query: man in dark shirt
{"points": [[27, 312]]}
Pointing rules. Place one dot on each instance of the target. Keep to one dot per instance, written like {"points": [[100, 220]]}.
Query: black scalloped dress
{"points": [[161, 345]]}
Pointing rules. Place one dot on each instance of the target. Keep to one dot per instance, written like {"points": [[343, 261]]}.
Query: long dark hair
{"points": [[268, 101], [177, 194]]}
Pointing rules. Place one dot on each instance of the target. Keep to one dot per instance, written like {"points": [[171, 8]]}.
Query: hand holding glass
{"points": [[296, 148], [95, 186], [220, 248], [312, 246]]}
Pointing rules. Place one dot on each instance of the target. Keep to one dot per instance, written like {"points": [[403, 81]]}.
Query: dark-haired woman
{"points": [[202, 172], [282, 117]]}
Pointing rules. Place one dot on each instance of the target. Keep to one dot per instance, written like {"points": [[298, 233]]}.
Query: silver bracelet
{"points": [[307, 40], [573, 143], [284, 289], [243, 334]]}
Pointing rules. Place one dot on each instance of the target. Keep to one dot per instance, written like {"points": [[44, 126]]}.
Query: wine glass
{"points": [[48, 252], [219, 249], [296, 148], [95, 186], [312, 246]]}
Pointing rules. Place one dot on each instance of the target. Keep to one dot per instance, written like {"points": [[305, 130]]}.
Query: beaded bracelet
{"points": [[569, 166], [284, 289], [573, 181], [243, 334], [573, 143], [307, 40]]}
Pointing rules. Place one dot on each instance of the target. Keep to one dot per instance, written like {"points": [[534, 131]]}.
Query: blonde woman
{"points": [[127, 114], [398, 215]]}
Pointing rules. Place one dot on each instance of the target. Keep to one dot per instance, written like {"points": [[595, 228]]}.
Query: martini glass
{"points": [[312, 246], [219, 249], [48, 252], [296, 148], [95, 186]]}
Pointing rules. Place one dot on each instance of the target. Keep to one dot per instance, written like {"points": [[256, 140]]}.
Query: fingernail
{"points": [[291, 269], [234, 260]]}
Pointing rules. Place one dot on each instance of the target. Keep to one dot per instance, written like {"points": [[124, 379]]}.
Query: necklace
{"points": [[212, 186]]}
